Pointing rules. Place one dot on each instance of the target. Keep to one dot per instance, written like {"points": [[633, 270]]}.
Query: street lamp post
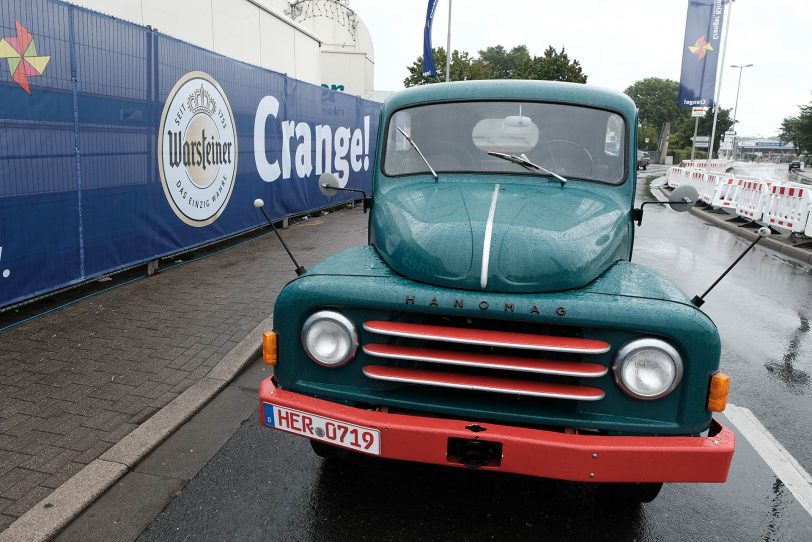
{"points": [[736, 107]]}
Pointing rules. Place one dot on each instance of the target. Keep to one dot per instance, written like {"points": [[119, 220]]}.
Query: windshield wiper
{"points": [[527, 164], [413, 144]]}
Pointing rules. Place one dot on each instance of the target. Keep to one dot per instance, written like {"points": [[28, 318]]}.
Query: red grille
{"points": [[483, 383], [506, 339], [506, 367], [487, 361]]}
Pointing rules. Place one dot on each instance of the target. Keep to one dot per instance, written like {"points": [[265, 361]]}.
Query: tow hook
{"points": [[474, 453]]}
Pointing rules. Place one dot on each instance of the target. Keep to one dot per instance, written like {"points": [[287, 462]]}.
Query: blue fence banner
{"points": [[428, 55], [700, 53], [121, 145]]}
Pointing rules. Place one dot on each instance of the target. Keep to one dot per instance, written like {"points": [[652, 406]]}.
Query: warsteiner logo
{"points": [[197, 149]]}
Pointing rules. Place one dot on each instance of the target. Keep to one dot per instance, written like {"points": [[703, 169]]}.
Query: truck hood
{"points": [[544, 237]]}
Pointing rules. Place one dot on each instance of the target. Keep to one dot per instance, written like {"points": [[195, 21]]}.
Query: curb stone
{"points": [[48, 517]]}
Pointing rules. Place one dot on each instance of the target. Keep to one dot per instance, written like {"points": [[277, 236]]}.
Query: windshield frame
{"points": [[626, 139]]}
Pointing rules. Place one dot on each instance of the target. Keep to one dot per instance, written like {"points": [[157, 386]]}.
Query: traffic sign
{"points": [[700, 139], [698, 111]]}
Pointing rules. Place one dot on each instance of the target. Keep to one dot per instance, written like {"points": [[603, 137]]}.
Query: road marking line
{"points": [[785, 467]]}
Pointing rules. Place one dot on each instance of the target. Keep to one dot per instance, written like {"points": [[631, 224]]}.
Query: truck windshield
{"points": [[572, 141]]}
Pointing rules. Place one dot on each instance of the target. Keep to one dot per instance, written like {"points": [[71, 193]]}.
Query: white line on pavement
{"points": [[785, 467]]}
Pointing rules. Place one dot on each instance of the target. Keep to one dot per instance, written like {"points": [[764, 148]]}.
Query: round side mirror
{"points": [[328, 184], [683, 198]]}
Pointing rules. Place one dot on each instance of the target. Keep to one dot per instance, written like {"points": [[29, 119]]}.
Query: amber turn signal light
{"points": [[719, 388], [269, 348]]}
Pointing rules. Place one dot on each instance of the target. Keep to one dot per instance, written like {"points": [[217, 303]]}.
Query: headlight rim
{"points": [[344, 322], [647, 342]]}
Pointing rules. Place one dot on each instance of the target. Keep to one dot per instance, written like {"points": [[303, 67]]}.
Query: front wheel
{"points": [[633, 492], [328, 451]]}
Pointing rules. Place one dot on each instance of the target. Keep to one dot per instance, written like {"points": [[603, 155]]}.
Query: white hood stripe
{"points": [[486, 247]]}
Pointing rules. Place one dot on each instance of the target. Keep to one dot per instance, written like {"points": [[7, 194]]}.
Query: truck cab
{"points": [[495, 320]]}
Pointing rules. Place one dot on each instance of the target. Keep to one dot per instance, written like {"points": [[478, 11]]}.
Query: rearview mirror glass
{"points": [[513, 134], [328, 184], [683, 198]]}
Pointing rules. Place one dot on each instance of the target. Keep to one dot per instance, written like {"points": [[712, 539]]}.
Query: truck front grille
{"points": [[491, 361]]}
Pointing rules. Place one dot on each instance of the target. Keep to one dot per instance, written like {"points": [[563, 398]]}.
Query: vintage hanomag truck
{"points": [[495, 319]]}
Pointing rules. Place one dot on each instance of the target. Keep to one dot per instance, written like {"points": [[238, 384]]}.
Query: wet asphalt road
{"points": [[267, 485], [762, 309]]}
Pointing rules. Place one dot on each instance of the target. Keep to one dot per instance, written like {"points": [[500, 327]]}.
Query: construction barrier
{"points": [[778, 204], [712, 166], [707, 186], [726, 193], [752, 198], [788, 207]]}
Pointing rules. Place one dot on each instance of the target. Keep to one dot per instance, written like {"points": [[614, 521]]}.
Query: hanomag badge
{"points": [[197, 149]]}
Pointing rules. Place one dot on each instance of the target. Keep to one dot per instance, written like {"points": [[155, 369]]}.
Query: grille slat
{"points": [[483, 337], [483, 383], [487, 361]]}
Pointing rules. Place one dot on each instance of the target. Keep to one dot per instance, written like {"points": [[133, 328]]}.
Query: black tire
{"points": [[644, 168], [633, 492], [328, 451]]}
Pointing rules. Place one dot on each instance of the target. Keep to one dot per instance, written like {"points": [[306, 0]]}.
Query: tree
{"points": [[798, 130], [790, 132], [552, 66], [505, 64], [656, 100], [647, 131], [805, 128], [684, 127], [498, 63], [463, 68]]}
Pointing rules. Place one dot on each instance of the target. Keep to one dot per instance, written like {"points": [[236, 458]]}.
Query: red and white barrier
{"points": [[708, 185], [788, 207], [726, 195], [778, 204], [712, 166], [752, 198]]}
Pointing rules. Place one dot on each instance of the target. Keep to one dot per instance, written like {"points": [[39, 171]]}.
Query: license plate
{"points": [[346, 435]]}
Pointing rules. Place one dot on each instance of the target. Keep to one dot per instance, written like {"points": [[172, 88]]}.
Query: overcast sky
{"points": [[617, 43]]}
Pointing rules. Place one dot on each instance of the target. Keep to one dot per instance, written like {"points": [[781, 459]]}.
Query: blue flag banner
{"points": [[428, 56], [121, 145], [700, 53]]}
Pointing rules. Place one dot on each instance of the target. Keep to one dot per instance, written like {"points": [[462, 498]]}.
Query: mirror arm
{"points": [[638, 213], [366, 199]]}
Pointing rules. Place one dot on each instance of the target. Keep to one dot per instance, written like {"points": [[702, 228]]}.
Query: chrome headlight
{"points": [[329, 338], [648, 368]]}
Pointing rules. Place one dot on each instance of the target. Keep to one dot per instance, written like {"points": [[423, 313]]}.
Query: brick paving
{"points": [[76, 381]]}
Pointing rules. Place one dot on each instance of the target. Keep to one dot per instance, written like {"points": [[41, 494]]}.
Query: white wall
{"points": [[253, 31], [347, 55]]}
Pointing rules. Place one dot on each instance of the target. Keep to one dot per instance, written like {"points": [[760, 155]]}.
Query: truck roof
{"points": [[513, 89]]}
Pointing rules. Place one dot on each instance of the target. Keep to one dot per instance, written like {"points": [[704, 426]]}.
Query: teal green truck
{"points": [[495, 320]]}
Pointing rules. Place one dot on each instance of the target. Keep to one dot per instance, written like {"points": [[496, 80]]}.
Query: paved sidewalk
{"points": [[77, 381]]}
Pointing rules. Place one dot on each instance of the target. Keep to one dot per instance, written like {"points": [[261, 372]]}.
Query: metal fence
{"points": [[81, 108]]}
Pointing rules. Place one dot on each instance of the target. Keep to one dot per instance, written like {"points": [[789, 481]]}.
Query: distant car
{"points": [[795, 164], [642, 160]]}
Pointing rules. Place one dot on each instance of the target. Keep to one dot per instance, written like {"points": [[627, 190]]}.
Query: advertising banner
{"points": [[700, 53], [121, 145], [428, 55]]}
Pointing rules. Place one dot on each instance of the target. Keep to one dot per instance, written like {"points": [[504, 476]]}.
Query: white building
{"points": [[318, 41]]}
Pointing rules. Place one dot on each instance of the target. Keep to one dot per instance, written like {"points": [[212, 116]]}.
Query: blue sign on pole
{"points": [[700, 53], [428, 55]]}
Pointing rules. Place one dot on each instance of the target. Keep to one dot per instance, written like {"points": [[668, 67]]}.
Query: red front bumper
{"points": [[535, 452]]}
